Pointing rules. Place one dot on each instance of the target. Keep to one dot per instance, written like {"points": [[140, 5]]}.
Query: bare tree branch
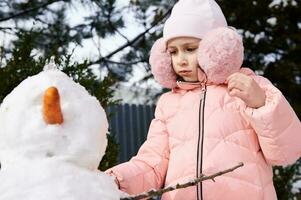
{"points": [[132, 41], [114, 28], [153, 193], [8, 30], [125, 63], [29, 10], [5, 28]]}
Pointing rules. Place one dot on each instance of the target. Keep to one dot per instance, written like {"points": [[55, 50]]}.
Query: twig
{"points": [[159, 192], [28, 10], [125, 63]]}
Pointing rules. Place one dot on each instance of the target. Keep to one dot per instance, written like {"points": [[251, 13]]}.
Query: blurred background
{"points": [[104, 45]]}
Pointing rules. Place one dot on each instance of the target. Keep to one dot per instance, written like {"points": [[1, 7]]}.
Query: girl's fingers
{"points": [[237, 77], [236, 84], [237, 93], [233, 92], [230, 77], [246, 88]]}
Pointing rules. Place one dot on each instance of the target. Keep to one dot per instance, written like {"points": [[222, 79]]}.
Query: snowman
{"points": [[52, 138]]}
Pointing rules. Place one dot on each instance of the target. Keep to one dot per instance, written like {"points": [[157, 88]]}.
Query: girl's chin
{"points": [[190, 79]]}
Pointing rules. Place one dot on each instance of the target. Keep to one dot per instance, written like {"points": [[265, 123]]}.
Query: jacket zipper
{"points": [[200, 143]]}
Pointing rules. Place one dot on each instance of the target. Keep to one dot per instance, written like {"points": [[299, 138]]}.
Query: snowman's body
{"points": [[53, 180], [41, 161]]}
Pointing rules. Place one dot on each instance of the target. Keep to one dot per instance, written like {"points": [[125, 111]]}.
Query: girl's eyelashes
{"points": [[188, 49], [191, 49]]}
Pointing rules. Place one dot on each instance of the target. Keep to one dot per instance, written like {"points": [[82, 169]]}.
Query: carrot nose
{"points": [[52, 112]]}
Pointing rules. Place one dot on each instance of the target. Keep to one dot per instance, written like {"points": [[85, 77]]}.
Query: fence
{"points": [[129, 125]]}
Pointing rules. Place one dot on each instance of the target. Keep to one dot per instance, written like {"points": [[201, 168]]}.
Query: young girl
{"points": [[216, 115]]}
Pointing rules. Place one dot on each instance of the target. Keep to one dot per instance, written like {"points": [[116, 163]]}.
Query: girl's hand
{"points": [[245, 88]]}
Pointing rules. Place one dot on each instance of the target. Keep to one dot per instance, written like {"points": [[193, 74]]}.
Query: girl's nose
{"points": [[182, 60]]}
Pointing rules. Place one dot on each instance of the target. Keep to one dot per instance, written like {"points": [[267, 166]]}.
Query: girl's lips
{"points": [[184, 72]]}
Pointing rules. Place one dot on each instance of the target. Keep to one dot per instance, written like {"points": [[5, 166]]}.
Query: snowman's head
{"points": [[49, 116]]}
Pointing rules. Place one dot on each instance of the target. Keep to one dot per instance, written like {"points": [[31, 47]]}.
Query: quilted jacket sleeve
{"points": [[148, 168], [277, 126]]}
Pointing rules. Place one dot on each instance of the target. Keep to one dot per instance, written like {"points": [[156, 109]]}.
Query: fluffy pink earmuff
{"points": [[160, 61], [220, 54]]}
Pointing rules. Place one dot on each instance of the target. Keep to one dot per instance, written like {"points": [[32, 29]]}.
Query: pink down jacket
{"points": [[204, 130]]}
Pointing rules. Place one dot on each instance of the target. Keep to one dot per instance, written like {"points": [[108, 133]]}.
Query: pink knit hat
{"points": [[193, 18], [220, 52]]}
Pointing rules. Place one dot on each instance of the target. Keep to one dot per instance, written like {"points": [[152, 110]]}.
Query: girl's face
{"points": [[183, 51]]}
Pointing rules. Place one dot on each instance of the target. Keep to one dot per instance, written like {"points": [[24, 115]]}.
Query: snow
{"points": [[276, 3], [52, 179], [259, 36], [272, 21], [42, 161]]}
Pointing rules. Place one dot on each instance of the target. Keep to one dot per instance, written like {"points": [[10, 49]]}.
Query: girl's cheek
{"points": [[174, 59]]}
